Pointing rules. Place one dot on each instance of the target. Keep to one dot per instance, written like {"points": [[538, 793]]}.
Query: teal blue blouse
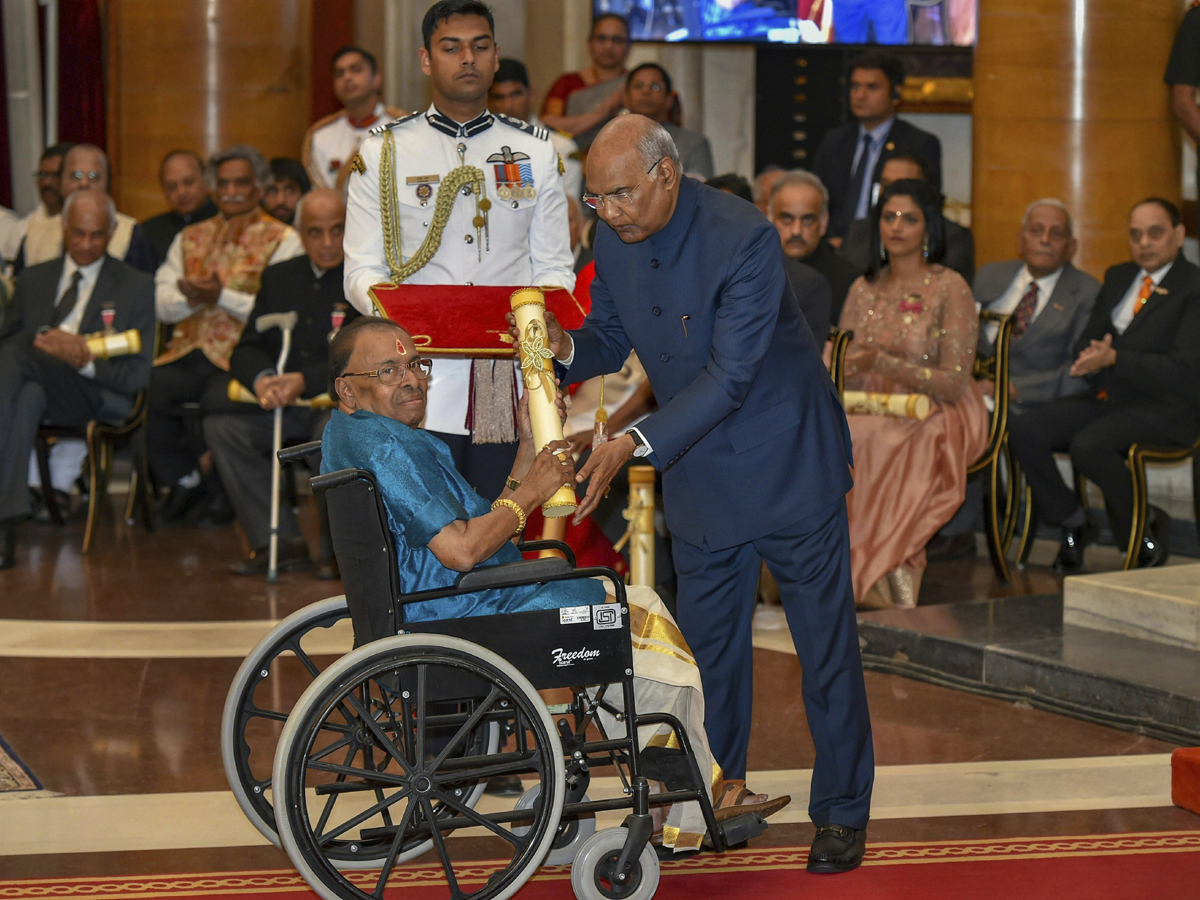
{"points": [[423, 493]]}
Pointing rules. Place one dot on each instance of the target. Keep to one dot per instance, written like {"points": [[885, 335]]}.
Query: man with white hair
{"points": [[47, 372], [206, 290]]}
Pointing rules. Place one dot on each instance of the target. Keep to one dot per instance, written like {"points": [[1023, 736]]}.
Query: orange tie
{"points": [[1144, 294]]}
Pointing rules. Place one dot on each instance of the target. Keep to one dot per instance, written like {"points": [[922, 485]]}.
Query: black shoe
{"points": [[837, 848], [1156, 544], [8, 543], [327, 570], [947, 547], [215, 512], [504, 786], [180, 503], [1070, 552], [292, 557]]}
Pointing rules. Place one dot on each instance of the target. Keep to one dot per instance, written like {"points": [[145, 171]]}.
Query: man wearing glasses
{"points": [[752, 444], [84, 167]]}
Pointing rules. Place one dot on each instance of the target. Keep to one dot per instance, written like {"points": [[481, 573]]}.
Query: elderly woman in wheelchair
{"points": [[388, 750]]}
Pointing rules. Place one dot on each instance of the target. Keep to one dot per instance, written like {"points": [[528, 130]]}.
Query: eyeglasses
{"points": [[44, 173], [390, 375], [621, 198], [80, 175]]}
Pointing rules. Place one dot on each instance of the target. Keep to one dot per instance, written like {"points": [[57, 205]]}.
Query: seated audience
{"points": [[85, 167], [960, 243], [580, 103], [1139, 358], [763, 182], [47, 372], [915, 328], [289, 182], [206, 290], [798, 206], [648, 93], [441, 528], [733, 183], [182, 178], [509, 95], [332, 142], [241, 440], [851, 156], [48, 179]]}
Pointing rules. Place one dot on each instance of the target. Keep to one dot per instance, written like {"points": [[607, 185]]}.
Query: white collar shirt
{"points": [[90, 272], [333, 145], [1122, 313], [527, 241], [1011, 298]]}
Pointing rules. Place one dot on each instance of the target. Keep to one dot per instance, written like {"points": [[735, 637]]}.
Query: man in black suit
{"points": [[241, 442], [181, 175], [1140, 354], [797, 206], [851, 156], [960, 243], [47, 372]]}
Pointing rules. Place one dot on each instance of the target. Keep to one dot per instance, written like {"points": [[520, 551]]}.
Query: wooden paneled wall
{"points": [[1070, 103], [199, 75]]}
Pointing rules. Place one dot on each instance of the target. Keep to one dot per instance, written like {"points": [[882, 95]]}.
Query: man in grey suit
{"points": [[1050, 301], [47, 371]]}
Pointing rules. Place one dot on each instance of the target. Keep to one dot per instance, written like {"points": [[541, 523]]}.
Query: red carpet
{"points": [[1161, 864]]}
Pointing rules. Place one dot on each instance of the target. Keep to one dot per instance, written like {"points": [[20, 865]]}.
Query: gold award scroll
{"points": [[897, 406], [537, 372], [106, 346], [239, 393], [641, 525]]}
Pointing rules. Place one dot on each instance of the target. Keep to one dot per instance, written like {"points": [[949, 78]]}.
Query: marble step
{"points": [[1160, 605]]}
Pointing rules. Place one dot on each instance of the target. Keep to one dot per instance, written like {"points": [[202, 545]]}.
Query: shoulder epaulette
{"points": [[537, 131], [380, 129]]}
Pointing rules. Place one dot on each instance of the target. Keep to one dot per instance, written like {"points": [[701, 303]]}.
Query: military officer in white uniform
{"points": [[515, 233]]}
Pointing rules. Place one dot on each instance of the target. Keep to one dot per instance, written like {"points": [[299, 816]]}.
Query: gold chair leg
{"points": [[1013, 506], [93, 492], [1028, 529], [133, 489], [991, 521], [1137, 530]]}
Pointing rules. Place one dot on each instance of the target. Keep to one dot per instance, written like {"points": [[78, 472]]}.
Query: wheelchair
{"points": [[386, 752]]}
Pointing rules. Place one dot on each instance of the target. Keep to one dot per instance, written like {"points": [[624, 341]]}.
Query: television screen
{"points": [[942, 23]]}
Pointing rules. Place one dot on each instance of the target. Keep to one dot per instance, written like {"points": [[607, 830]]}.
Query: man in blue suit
{"points": [[752, 444]]}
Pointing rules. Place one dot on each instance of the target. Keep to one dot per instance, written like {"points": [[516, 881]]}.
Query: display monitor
{"points": [[922, 22]]}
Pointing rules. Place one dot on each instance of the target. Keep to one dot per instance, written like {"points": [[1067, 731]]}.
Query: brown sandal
{"points": [[736, 799]]}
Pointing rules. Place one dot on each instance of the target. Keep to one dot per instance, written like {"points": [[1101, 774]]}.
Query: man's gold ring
{"points": [[562, 456]]}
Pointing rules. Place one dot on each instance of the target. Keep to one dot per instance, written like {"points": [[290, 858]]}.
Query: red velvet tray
{"points": [[463, 320]]}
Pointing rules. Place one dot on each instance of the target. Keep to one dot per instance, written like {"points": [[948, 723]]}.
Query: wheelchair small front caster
{"points": [[592, 876], [572, 833]]}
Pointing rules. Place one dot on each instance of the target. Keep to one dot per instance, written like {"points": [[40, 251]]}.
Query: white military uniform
{"points": [[527, 241], [332, 142], [568, 152]]}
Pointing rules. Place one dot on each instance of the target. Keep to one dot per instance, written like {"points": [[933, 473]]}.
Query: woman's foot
{"points": [[736, 799]]}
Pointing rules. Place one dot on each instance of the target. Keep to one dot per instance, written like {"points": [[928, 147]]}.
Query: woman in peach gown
{"points": [[915, 327]]}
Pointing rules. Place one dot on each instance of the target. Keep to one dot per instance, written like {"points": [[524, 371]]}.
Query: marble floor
{"points": [[114, 669]]}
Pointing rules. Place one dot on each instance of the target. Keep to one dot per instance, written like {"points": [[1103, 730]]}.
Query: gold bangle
{"points": [[511, 483], [516, 509]]}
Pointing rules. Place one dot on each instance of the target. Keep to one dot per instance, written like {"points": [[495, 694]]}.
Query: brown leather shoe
{"points": [[736, 800]]}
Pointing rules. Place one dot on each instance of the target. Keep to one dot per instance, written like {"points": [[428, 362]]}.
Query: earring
{"points": [[925, 249], [882, 254]]}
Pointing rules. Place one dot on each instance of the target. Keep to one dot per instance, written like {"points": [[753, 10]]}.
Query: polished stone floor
{"points": [[91, 726]]}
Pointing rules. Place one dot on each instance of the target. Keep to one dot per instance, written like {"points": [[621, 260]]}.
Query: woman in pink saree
{"points": [[915, 327]]}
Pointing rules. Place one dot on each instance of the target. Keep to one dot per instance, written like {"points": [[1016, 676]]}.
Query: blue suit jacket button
{"points": [[664, 357], [656, 311], [654, 263]]}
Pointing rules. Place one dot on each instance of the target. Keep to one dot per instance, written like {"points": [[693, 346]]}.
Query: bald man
{"points": [[311, 286], [752, 443], [47, 372]]}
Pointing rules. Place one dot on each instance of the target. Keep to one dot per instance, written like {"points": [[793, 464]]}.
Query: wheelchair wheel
{"points": [[572, 833], [259, 701], [591, 876], [370, 763]]}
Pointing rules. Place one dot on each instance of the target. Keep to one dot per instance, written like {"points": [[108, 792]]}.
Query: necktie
{"points": [[1023, 314], [68, 300], [859, 175], [1143, 294]]}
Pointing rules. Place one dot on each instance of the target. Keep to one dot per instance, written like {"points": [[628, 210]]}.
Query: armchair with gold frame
{"points": [[839, 342]]}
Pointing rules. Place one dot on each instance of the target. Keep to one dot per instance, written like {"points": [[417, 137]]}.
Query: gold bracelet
{"points": [[511, 483], [515, 508]]}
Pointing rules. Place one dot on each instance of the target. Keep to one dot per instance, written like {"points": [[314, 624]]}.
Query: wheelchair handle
{"points": [[298, 452]]}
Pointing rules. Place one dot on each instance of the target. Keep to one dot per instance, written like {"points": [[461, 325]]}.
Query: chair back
{"points": [[995, 369], [840, 342], [366, 554]]}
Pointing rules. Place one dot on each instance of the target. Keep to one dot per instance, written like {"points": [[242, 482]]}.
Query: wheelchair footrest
{"points": [[670, 766], [741, 828]]}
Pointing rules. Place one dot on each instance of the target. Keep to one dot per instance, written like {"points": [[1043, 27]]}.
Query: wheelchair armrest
{"points": [[535, 546], [338, 478], [513, 573], [299, 452]]}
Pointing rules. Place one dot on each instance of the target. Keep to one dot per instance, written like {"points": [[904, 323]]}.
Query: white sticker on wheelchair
{"points": [[573, 615], [606, 616]]}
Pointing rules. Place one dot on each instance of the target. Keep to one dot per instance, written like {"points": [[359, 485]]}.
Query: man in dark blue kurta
{"points": [[752, 444]]}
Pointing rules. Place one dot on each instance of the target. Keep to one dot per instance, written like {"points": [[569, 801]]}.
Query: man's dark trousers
{"points": [[717, 588]]}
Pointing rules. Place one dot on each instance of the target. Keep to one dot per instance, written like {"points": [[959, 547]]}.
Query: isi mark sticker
{"points": [[606, 617]]}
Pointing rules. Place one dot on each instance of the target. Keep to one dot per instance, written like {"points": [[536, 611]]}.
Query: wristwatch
{"points": [[640, 447]]}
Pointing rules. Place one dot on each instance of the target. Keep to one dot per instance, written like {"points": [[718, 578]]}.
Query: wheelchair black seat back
{"points": [[387, 752]]}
